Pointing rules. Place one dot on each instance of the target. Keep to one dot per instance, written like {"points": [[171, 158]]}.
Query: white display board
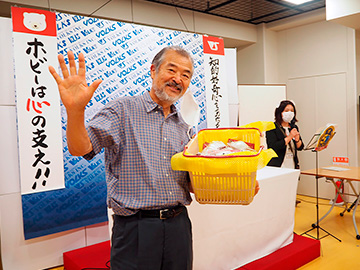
{"points": [[229, 236], [258, 102]]}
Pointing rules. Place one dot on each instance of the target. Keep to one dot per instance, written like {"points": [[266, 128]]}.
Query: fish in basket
{"points": [[228, 178]]}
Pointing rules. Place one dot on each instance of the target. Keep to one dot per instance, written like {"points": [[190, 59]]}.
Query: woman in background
{"points": [[285, 139]]}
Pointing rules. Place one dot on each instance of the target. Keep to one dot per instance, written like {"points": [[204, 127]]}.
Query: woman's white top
{"points": [[289, 156]]}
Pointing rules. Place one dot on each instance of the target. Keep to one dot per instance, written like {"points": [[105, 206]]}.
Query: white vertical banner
{"points": [[217, 101], [37, 101], [231, 78], [231, 75]]}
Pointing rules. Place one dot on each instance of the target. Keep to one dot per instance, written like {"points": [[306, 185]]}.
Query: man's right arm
{"points": [[78, 140], [75, 95]]}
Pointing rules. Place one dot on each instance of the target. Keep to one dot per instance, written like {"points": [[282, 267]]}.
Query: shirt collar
{"points": [[151, 105]]}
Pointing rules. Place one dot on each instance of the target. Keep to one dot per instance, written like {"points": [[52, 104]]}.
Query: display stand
{"points": [[319, 142]]}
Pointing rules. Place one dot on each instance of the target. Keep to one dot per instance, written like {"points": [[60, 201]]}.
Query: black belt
{"points": [[161, 213]]}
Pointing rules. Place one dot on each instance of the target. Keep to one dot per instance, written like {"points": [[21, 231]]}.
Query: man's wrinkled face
{"points": [[172, 78]]}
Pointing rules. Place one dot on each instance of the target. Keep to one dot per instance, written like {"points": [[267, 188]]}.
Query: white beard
{"points": [[163, 96]]}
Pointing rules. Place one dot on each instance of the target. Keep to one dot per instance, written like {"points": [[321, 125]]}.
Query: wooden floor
{"points": [[334, 254]]}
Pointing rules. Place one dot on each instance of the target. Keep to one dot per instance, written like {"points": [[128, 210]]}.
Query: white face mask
{"points": [[190, 111], [287, 116]]}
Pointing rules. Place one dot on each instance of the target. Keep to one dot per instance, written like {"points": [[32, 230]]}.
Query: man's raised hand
{"points": [[74, 91]]}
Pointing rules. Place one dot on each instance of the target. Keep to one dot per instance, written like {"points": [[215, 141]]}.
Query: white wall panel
{"points": [[302, 92], [320, 100], [258, 102], [9, 161], [270, 57], [317, 62], [314, 49], [331, 108], [7, 92], [251, 62]]}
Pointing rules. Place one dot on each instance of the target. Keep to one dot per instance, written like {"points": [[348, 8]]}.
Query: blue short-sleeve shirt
{"points": [[139, 143]]}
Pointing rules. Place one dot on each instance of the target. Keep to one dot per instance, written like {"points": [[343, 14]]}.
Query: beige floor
{"points": [[344, 255], [334, 254]]}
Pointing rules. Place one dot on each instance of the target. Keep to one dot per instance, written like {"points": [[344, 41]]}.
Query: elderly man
{"points": [[140, 134]]}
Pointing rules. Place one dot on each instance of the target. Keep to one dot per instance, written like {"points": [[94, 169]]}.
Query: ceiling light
{"points": [[298, 2]]}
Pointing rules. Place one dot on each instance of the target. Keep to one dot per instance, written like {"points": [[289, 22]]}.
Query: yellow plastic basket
{"points": [[229, 179]]}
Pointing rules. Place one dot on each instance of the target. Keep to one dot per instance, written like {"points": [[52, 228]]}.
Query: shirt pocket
{"points": [[179, 145]]}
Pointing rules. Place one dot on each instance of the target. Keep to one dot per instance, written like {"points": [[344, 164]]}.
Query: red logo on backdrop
{"points": [[213, 45], [33, 21]]}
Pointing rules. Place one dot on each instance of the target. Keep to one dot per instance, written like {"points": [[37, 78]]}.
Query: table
{"points": [[229, 236], [348, 175]]}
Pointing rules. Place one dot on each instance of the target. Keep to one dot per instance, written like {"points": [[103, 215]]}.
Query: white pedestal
{"points": [[229, 236]]}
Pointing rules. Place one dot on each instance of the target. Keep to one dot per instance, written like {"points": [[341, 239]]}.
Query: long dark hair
{"points": [[281, 108]]}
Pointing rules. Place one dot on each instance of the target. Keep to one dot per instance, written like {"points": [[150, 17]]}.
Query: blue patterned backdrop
{"points": [[120, 54]]}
